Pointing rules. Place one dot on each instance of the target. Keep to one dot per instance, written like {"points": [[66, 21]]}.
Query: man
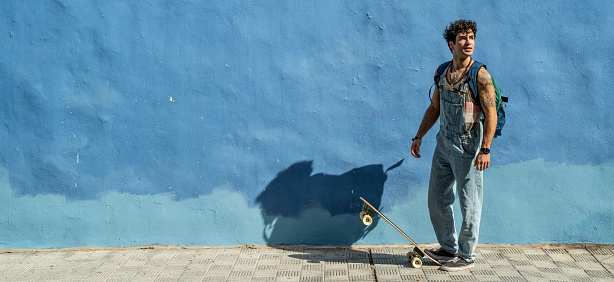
{"points": [[462, 151]]}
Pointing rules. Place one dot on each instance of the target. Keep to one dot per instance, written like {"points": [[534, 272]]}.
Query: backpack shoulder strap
{"points": [[440, 70], [472, 77]]}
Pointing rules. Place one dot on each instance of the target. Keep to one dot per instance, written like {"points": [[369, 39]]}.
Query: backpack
{"points": [[473, 86]]}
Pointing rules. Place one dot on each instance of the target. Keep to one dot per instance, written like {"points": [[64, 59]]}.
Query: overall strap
{"points": [[440, 71]]}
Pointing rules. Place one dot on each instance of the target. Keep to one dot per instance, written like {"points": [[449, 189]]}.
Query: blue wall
{"points": [[262, 122]]}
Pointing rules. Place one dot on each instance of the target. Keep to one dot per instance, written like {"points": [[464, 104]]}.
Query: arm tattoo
{"points": [[486, 89]]}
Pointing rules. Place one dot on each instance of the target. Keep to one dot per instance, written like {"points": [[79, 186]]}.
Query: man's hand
{"points": [[482, 161], [415, 148]]}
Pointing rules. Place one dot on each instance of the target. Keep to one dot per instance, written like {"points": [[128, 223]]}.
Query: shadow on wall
{"points": [[320, 209]]}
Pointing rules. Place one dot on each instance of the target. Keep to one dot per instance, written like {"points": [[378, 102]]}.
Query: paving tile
{"points": [[521, 263], [311, 278], [201, 273], [157, 262], [463, 277], [263, 278], [357, 254], [312, 267], [336, 274], [99, 275], [602, 279], [581, 279], [312, 273], [601, 273], [163, 254], [561, 257], [290, 267], [556, 277], [413, 277], [270, 257], [106, 263], [79, 273], [245, 266], [288, 273], [544, 264], [184, 256], [608, 251], [79, 255], [148, 272], [538, 256], [248, 253], [227, 256], [10, 274], [336, 264], [609, 267], [384, 260], [115, 275], [583, 257], [567, 264], [535, 251], [552, 270], [212, 268], [436, 274], [496, 256], [505, 266], [241, 274], [573, 272], [363, 271], [166, 279], [267, 268], [174, 268], [532, 275], [201, 261], [506, 271], [200, 279], [199, 256], [511, 251], [54, 275], [23, 265], [513, 278], [591, 265], [136, 263], [483, 272]]}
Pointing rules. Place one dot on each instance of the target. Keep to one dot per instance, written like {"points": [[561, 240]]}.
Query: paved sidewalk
{"points": [[299, 263]]}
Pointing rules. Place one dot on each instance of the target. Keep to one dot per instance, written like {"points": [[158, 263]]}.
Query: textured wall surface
{"points": [[261, 122]]}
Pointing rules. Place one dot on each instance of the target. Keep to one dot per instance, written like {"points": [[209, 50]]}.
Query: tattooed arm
{"points": [[487, 96]]}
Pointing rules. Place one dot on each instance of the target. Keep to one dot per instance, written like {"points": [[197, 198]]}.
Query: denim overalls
{"points": [[453, 161]]}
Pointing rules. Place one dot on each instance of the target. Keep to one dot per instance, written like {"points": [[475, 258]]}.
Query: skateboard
{"points": [[415, 256]]}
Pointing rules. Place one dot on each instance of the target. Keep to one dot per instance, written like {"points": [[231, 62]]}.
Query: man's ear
{"points": [[450, 45]]}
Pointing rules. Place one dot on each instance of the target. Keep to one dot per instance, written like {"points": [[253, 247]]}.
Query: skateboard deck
{"points": [[414, 256]]}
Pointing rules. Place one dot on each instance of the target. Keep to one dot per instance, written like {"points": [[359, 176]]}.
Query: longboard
{"points": [[415, 256]]}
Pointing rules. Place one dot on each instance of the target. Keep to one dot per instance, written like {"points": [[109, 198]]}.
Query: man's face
{"points": [[465, 41]]}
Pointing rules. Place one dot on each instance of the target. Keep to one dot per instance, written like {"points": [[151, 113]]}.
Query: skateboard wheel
{"points": [[410, 256], [416, 262], [362, 213], [367, 219]]}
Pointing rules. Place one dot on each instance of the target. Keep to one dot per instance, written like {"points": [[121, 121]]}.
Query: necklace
{"points": [[456, 77]]}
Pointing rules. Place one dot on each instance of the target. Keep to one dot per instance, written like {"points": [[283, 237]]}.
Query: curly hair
{"points": [[458, 27]]}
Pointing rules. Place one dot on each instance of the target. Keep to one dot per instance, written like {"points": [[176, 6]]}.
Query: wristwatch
{"points": [[485, 151]]}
